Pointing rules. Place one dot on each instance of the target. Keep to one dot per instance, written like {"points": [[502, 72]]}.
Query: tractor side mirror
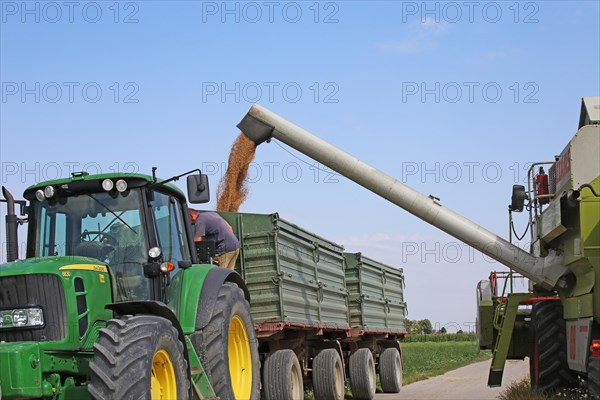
{"points": [[518, 198], [198, 189]]}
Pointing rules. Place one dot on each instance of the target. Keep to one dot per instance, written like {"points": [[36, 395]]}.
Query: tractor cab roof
{"points": [[81, 182]]}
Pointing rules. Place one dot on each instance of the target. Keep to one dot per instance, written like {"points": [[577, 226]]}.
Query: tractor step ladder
{"points": [[504, 323]]}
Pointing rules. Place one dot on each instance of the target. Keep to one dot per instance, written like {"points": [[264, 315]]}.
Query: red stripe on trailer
{"points": [[269, 328]]}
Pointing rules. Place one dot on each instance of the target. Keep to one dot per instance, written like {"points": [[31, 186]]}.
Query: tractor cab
{"points": [[133, 224]]}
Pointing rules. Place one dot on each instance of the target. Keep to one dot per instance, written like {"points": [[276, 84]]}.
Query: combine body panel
{"points": [[563, 263]]}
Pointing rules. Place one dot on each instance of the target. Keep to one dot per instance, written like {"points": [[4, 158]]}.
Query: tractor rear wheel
{"points": [[361, 368], [138, 357], [548, 366], [328, 375], [282, 376], [227, 346], [594, 376], [390, 370]]}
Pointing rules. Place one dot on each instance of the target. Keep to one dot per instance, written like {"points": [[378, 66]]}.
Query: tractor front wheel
{"points": [[138, 357], [227, 346]]}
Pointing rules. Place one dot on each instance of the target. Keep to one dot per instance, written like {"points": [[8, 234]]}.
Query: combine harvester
{"points": [[561, 335]]}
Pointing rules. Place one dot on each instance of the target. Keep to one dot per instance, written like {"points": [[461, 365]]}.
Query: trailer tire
{"points": [[328, 375], [227, 346], [390, 370], [593, 376], [548, 368], [282, 376], [361, 368], [138, 357]]}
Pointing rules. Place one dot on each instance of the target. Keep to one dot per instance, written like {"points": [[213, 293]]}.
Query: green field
{"points": [[423, 360]]}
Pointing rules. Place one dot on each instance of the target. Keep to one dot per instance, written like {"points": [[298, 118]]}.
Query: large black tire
{"points": [[548, 368], [282, 376], [390, 370], [593, 383], [228, 348], [137, 357], [328, 375], [361, 368]]}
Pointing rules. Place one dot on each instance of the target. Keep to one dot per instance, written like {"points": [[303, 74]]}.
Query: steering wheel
{"points": [[105, 238]]}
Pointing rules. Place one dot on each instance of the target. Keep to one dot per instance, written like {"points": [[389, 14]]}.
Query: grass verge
{"points": [[521, 390], [428, 359]]}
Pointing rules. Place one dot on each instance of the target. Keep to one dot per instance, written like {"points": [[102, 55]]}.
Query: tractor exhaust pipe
{"points": [[261, 125], [12, 242]]}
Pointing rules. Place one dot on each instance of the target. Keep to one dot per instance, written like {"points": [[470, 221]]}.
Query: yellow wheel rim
{"points": [[163, 384], [240, 359]]}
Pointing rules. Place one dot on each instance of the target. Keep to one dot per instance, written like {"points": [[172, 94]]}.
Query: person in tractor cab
{"points": [[209, 225]]}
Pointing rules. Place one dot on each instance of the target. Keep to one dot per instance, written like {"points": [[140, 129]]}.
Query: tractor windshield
{"points": [[107, 226]]}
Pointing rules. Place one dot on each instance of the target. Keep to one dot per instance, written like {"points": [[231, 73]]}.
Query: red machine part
{"points": [[542, 186], [595, 348]]}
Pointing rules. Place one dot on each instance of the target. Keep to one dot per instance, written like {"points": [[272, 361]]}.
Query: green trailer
{"points": [[309, 328]]}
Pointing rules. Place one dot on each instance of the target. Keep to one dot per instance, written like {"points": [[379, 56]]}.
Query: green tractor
{"points": [[112, 301]]}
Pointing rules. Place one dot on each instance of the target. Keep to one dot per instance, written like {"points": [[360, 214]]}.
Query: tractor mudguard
{"points": [[149, 307], [210, 291]]}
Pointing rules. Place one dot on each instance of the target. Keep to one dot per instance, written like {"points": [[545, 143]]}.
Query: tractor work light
{"points": [[21, 318], [49, 191], [121, 185], [107, 185], [154, 252], [39, 194]]}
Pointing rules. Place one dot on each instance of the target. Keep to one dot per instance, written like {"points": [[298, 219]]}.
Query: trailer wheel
{"points": [[328, 375], [227, 346], [594, 376], [362, 374], [390, 370], [548, 368], [138, 357], [282, 376]]}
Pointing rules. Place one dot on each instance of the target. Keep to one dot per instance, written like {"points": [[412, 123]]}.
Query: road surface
{"points": [[465, 383]]}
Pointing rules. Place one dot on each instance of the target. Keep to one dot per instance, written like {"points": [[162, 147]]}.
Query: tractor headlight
{"points": [[107, 185], [21, 317], [39, 194], [121, 185], [49, 191]]}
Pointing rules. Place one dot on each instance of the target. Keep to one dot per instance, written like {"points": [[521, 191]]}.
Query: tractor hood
{"points": [[51, 265]]}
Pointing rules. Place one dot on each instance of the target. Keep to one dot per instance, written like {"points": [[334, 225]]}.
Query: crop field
{"points": [[423, 360]]}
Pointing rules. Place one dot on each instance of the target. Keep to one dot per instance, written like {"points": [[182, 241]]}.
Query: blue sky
{"points": [[453, 98]]}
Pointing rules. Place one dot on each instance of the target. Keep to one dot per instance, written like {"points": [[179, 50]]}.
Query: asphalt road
{"points": [[465, 383]]}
